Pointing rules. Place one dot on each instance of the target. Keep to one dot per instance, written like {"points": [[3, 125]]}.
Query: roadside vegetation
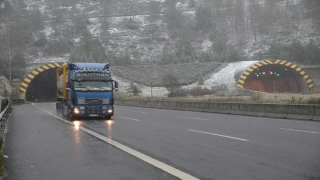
{"points": [[251, 97], [186, 73], [2, 160]]}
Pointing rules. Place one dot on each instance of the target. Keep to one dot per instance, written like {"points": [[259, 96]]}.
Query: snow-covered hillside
{"points": [[142, 32], [146, 39]]}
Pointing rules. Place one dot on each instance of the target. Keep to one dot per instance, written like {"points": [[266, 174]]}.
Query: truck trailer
{"points": [[85, 90]]}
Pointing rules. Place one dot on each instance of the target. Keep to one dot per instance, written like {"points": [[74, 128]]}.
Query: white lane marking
{"points": [[130, 118], [300, 130], [219, 135], [141, 112], [193, 118], [169, 169]]}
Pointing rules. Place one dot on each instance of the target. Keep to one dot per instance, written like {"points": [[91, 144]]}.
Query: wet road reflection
{"points": [[77, 133], [77, 124], [110, 123]]}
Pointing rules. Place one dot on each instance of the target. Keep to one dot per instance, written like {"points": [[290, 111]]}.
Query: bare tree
{"points": [[170, 82]]}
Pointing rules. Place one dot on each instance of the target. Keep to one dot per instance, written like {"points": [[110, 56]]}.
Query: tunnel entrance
{"points": [[273, 76], [43, 87], [40, 84]]}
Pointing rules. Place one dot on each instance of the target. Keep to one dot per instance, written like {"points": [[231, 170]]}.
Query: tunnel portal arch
{"points": [[40, 83], [273, 76]]}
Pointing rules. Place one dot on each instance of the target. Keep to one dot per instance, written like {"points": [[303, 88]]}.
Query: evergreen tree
{"points": [[192, 4], [173, 17], [203, 18], [296, 52], [312, 52]]}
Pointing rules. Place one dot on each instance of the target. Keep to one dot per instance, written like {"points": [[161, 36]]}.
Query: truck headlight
{"points": [[76, 110], [110, 110]]}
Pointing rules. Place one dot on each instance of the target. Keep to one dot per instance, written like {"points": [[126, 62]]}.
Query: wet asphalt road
{"points": [[203, 145]]}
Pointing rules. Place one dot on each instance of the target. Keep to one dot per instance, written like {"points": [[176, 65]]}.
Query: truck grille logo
{"points": [[93, 101]]}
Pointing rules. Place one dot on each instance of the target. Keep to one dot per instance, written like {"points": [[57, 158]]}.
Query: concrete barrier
{"points": [[212, 107], [239, 109], [200, 106], [224, 108], [157, 104], [276, 110], [179, 105], [256, 110], [304, 112], [170, 105], [189, 106], [316, 116]]}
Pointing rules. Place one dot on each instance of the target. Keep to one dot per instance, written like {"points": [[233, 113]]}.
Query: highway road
{"points": [[142, 143]]}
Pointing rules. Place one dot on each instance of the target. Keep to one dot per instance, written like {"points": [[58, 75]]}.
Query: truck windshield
{"points": [[93, 85]]}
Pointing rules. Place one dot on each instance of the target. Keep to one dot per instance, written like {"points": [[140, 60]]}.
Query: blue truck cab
{"points": [[85, 90]]}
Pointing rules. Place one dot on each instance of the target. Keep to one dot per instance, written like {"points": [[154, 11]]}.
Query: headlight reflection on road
{"points": [[77, 124], [77, 133], [110, 124]]}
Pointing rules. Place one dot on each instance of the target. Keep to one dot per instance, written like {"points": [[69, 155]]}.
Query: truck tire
{"points": [[62, 111], [70, 115], [58, 108], [108, 117]]}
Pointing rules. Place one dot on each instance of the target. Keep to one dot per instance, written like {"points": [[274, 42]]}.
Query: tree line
{"points": [[227, 24], [296, 52]]}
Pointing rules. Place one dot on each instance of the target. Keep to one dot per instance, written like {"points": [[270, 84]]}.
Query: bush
{"points": [[313, 100], [132, 25], [2, 159], [198, 91], [136, 90], [120, 95], [179, 92], [255, 96]]}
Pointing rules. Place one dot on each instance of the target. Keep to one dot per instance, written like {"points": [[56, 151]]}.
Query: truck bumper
{"points": [[94, 111]]}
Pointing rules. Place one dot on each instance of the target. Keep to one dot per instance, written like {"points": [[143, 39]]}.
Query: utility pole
{"points": [[9, 29], [74, 34]]}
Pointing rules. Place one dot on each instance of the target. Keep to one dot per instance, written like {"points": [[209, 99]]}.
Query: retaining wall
{"points": [[303, 112]]}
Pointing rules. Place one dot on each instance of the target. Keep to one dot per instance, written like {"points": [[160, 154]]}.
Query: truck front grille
{"points": [[93, 101], [93, 109]]}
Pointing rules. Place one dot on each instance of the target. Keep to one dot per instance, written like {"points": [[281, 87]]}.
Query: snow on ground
{"points": [[124, 85], [223, 76]]}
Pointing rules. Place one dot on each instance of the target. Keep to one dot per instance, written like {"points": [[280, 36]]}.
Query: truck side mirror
{"points": [[116, 86]]}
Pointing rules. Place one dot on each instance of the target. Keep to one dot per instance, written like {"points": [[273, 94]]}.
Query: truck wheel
{"points": [[108, 117], [70, 116], [58, 108]]}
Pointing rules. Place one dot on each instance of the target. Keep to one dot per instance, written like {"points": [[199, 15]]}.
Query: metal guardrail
{"points": [[5, 110]]}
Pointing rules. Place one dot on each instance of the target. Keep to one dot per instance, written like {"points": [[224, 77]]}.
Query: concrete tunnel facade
{"points": [[273, 76], [40, 84]]}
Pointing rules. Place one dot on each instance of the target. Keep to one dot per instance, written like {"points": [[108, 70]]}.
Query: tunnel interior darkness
{"points": [[43, 87], [275, 78]]}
